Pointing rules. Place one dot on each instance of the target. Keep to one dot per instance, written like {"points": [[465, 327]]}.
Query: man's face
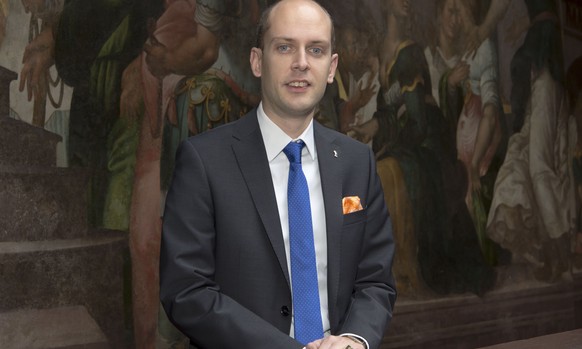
{"points": [[400, 8], [354, 51], [347, 49], [451, 19], [296, 62]]}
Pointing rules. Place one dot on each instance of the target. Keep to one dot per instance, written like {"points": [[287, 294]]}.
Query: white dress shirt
{"points": [[275, 141]]}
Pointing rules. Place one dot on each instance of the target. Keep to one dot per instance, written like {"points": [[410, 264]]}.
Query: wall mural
{"points": [[468, 105]]}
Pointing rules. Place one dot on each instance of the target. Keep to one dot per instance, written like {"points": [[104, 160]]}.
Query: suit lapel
{"points": [[330, 169], [251, 156]]}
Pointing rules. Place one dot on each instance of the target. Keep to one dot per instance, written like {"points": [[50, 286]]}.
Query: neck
{"points": [[292, 125], [447, 47], [394, 29]]}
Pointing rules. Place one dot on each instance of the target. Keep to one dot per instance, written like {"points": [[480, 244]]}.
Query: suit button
{"points": [[284, 310]]}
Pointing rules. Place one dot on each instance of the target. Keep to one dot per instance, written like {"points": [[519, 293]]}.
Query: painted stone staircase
{"points": [[61, 283]]}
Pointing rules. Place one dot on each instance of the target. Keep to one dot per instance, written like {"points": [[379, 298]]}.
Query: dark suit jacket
{"points": [[223, 272]]}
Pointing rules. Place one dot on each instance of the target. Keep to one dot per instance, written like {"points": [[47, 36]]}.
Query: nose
{"points": [[457, 22], [300, 61]]}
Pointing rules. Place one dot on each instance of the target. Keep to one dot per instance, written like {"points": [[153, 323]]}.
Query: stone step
{"points": [[85, 271], [55, 328], [515, 311], [26, 145], [563, 340], [42, 203]]}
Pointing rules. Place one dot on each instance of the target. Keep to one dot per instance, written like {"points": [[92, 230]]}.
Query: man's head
{"points": [[355, 45], [294, 57], [449, 14], [398, 8], [263, 26]]}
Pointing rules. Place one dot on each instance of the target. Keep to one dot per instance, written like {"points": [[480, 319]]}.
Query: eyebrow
{"points": [[287, 39]]}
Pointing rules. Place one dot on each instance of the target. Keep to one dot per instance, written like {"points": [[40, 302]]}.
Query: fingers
{"points": [[337, 342], [31, 77], [26, 81], [23, 77], [314, 345], [370, 85], [36, 60]]}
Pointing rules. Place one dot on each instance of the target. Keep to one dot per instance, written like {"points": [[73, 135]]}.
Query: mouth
{"points": [[298, 84]]}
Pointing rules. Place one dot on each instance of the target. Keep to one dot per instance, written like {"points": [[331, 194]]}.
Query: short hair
{"points": [[264, 25]]}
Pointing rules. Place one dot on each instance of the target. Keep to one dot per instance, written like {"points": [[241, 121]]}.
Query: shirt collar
{"points": [[276, 140]]}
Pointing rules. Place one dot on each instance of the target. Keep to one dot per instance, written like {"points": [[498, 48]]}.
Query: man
{"points": [[228, 267]]}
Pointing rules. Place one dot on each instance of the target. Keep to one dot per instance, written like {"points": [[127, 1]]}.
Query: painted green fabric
{"points": [[94, 42], [451, 105], [121, 150]]}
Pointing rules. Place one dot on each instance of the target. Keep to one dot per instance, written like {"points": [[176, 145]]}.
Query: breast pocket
{"points": [[355, 217]]}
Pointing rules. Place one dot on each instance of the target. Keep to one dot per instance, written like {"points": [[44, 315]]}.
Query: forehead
{"points": [[299, 20]]}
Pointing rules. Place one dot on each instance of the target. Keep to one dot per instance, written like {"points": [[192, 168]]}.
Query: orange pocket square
{"points": [[351, 204]]}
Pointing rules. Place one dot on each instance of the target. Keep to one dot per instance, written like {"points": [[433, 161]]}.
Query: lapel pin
{"points": [[335, 153]]}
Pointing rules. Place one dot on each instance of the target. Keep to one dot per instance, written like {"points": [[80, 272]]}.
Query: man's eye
{"points": [[283, 48], [316, 50]]}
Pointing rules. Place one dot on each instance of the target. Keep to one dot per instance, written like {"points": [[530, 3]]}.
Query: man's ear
{"points": [[332, 68], [256, 60]]}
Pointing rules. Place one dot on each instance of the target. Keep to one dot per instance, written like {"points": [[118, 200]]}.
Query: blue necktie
{"points": [[306, 308]]}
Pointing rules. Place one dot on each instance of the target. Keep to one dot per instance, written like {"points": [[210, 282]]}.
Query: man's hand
{"points": [[157, 58], [38, 58], [475, 178], [363, 94], [459, 73], [473, 40], [335, 342], [366, 131]]}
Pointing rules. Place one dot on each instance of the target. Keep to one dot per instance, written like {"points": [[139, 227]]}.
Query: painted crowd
{"points": [[478, 174]]}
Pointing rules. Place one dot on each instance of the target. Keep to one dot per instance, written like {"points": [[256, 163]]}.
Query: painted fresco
{"points": [[473, 110]]}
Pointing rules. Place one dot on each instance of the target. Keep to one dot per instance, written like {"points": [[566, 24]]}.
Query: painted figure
{"points": [[466, 88], [415, 150], [357, 75], [174, 92], [533, 208], [94, 43]]}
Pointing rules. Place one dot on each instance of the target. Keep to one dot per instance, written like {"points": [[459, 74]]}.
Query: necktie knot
{"points": [[293, 151]]}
